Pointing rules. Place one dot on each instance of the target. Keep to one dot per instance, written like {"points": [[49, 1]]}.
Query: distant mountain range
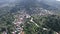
{"points": [[30, 6]]}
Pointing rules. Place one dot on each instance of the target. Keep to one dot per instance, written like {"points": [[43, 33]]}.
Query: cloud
{"points": [[57, 0]]}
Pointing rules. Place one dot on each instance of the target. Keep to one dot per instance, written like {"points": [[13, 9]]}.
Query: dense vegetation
{"points": [[6, 23], [45, 24], [48, 24]]}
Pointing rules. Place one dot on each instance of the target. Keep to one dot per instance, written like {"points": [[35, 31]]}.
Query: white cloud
{"points": [[57, 0]]}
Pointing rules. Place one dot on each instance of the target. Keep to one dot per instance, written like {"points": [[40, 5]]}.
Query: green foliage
{"points": [[6, 23], [31, 28], [52, 22]]}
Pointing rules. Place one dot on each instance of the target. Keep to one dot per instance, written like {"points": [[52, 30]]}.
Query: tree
{"points": [[51, 22], [6, 23], [31, 28], [39, 20]]}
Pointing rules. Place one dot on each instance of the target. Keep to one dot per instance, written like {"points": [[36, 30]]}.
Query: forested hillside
{"points": [[29, 16], [30, 7]]}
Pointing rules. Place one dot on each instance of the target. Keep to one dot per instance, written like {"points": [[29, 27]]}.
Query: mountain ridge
{"points": [[30, 7]]}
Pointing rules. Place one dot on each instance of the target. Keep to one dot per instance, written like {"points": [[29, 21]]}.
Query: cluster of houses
{"points": [[19, 21]]}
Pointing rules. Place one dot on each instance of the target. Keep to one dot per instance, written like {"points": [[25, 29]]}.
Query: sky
{"points": [[13, 0], [57, 0]]}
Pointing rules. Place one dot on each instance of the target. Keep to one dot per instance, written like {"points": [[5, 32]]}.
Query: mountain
{"points": [[33, 4], [30, 7], [4, 3], [54, 3]]}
